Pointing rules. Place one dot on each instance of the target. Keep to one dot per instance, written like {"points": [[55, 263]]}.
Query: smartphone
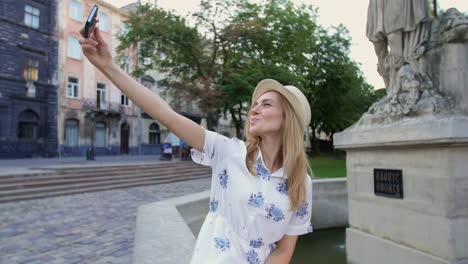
{"points": [[91, 21]]}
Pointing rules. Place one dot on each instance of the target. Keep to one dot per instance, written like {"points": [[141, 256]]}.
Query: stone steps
{"points": [[90, 179], [97, 170], [70, 177]]}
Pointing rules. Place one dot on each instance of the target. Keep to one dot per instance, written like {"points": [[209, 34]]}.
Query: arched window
{"points": [[28, 125], [154, 134], [100, 134], [71, 132]]}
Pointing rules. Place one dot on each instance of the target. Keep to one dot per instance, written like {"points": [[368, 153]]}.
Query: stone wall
{"points": [[166, 231]]}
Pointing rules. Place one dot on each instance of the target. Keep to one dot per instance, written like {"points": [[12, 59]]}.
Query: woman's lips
{"points": [[254, 120]]}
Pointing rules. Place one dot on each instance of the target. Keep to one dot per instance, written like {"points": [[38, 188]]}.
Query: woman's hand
{"points": [[284, 251], [95, 48]]}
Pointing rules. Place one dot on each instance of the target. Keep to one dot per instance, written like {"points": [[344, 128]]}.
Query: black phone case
{"points": [[90, 21]]}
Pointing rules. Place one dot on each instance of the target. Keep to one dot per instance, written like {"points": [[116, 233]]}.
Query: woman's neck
{"points": [[272, 153]]}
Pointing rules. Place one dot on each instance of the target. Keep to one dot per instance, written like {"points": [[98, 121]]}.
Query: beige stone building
{"points": [[92, 111]]}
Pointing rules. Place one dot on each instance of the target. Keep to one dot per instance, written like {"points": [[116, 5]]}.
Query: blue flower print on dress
{"points": [[223, 178], [302, 212], [252, 257], [202, 155], [222, 243], [212, 154], [282, 187], [310, 229], [262, 171], [256, 243], [274, 213], [272, 247], [256, 200], [213, 205]]}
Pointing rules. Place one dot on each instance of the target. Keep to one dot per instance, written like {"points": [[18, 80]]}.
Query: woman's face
{"points": [[266, 115]]}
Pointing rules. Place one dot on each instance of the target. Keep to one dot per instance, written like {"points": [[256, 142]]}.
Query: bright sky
{"points": [[352, 14]]}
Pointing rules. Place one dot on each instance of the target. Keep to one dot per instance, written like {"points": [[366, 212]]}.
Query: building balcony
{"points": [[100, 107]]}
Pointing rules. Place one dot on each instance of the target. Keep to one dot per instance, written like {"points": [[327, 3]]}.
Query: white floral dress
{"points": [[248, 214]]}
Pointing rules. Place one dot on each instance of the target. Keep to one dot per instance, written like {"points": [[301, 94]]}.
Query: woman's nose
{"points": [[254, 110]]}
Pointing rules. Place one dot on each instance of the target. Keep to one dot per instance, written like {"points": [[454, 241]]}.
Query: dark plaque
{"points": [[388, 183]]}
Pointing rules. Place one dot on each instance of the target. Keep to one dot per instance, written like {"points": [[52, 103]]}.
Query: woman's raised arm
{"points": [[97, 52]]}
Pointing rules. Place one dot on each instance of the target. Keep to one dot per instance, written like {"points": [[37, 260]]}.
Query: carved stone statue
{"points": [[412, 47], [399, 30]]}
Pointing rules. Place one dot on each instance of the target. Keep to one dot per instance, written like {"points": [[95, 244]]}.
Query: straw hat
{"points": [[294, 96]]}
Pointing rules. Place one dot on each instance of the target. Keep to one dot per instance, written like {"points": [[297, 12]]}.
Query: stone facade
{"points": [[28, 78], [93, 111]]}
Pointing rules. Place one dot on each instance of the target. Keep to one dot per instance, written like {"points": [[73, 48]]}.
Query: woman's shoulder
{"points": [[236, 146], [226, 146], [308, 180], [223, 139]]}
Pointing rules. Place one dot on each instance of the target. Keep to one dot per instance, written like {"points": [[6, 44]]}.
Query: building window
{"points": [[31, 16], [100, 134], [103, 22], [28, 125], [101, 102], [124, 28], [147, 85], [75, 10], [126, 64], [72, 87], [74, 50], [147, 61], [154, 134], [71, 133], [31, 71], [124, 100]]}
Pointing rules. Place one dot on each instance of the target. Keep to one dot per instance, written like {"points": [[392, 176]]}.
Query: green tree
{"points": [[175, 49], [236, 43], [264, 41], [333, 83]]}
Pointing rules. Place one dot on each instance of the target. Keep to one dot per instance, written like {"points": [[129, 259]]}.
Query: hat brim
{"points": [[268, 85]]}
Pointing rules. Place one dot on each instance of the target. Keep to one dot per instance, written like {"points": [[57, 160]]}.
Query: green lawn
{"points": [[328, 167]]}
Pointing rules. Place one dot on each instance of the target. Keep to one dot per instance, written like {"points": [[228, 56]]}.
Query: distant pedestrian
{"points": [[261, 194]]}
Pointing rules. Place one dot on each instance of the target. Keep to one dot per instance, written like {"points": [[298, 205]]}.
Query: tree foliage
{"points": [[236, 43]]}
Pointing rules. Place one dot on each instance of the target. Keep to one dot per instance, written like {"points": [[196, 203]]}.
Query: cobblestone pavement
{"points": [[84, 228]]}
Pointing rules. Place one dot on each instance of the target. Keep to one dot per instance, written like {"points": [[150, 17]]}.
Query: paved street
{"points": [[85, 228]]}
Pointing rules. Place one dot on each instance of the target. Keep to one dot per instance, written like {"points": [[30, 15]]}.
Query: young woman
{"points": [[261, 194]]}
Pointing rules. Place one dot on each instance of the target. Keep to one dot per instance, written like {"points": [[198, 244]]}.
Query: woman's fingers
{"points": [[88, 48], [88, 41], [97, 34], [88, 45], [92, 36], [91, 29]]}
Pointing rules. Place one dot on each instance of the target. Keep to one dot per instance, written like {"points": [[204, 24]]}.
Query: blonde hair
{"points": [[294, 162]]}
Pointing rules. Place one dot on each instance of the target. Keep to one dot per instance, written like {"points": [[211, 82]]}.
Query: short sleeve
{"points": [[214, 147], [300, 223]]}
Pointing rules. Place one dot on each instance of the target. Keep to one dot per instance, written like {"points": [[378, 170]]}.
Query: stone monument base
{"points": [[430, 223], [365, 248]]}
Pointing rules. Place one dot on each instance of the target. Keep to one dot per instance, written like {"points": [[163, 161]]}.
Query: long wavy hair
{"points": [[294, 159]]}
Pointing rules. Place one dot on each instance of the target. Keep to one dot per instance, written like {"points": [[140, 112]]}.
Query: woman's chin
{"points": [[254, 132]]}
